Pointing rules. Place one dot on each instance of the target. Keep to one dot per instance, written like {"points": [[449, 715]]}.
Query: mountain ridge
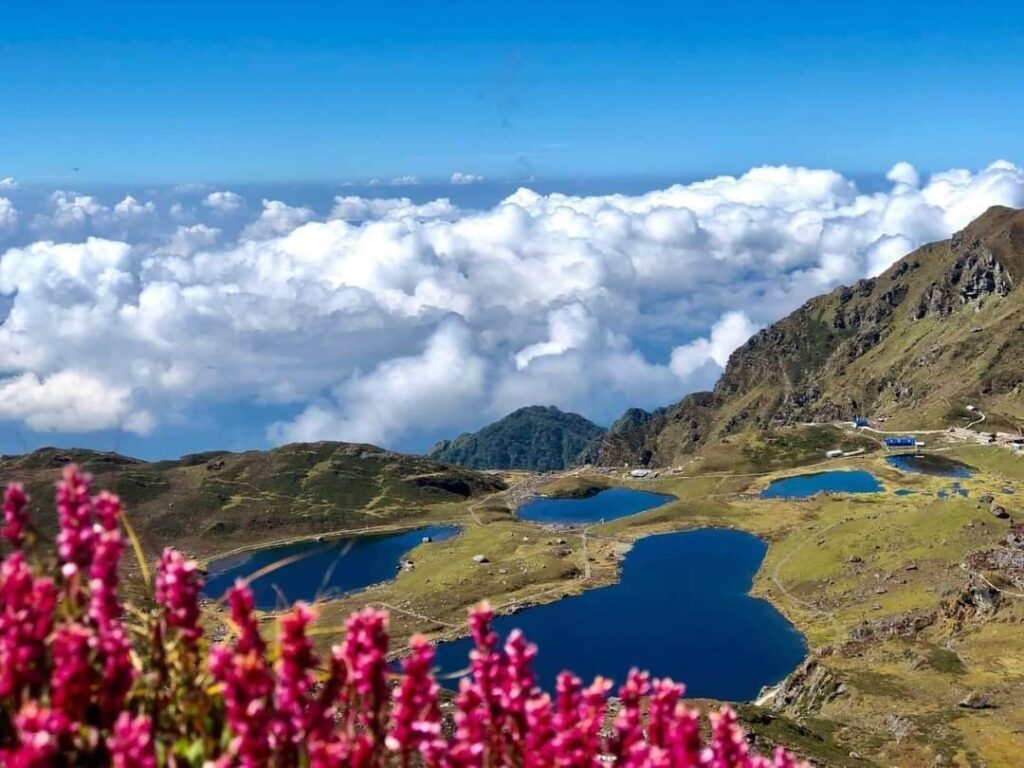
{"points": [[221, 499], [882, 346]]}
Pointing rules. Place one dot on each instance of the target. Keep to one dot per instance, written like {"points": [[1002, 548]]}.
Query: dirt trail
{"points": [[777, 580]]}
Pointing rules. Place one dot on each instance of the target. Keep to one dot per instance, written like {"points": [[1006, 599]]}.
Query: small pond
{"points": [[833, 481], [682, 609], [322, 569], [929, 464], [606, 505]]}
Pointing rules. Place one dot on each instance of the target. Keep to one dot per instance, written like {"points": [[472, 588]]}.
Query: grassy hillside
{"points": [[537, 437], [942, 328], [215, 501]]}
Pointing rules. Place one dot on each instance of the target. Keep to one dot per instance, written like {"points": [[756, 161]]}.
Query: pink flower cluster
{"points": [[73, 689]]}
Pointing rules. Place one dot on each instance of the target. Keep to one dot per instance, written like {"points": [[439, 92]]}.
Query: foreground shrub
{"points": [[88, 679]]}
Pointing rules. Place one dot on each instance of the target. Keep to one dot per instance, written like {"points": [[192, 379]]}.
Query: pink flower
{"points": [[74, 514], [178, 586], [728, 747], [131, 745], [15, 517], [27, 604], [72, 677], [104, 606], [416, 716], [41, 733], [364, 653], [294, 669], [247, 683], [243, 616], [112, 649]]}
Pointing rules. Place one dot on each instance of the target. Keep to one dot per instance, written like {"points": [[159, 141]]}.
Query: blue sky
{"points": [[257, 91], [232, 225]]}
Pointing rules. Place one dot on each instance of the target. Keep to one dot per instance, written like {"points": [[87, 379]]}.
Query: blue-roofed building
{"points": [[901, 442]]}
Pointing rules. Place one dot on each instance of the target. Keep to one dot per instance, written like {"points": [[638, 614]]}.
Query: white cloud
{"points": [[224, 202], [359, 209], [71, 209], [904, 173], [8, 216], [427, 390], [69, 401], [569, 327], [729, 332], [405, 181], [276, 218], [393, 316], [465, 178], [131, 208], [187, 240], [8, 183]]}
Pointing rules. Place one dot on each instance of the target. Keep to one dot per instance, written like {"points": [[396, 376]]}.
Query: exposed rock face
{"points": [[978, 601], [808, 688], [895, 626]]}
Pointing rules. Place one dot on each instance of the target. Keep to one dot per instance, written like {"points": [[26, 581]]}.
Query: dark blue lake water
{"points": [[606, 505], [682, 610], [833, 481], [327, 568], [929, 464]]}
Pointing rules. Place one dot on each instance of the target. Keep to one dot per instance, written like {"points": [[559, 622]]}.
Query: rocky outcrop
{"points": [[1005, 562], [904, 625], [807, 688], [978, 601]]}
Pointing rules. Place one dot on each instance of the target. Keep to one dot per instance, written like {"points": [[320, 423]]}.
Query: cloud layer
{"points": [[389, 318]]}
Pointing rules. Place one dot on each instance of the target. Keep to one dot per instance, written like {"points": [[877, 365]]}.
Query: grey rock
{"points": [[974, 700]]}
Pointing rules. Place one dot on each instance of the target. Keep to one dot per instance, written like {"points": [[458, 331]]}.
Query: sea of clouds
{"points": [[387, 317]]}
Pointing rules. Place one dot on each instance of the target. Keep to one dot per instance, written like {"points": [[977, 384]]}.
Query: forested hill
{"points": [[538, 437]]}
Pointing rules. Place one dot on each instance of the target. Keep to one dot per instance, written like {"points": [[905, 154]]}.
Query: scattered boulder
{"points": [[408, 565], [999, 512], [899, 726], [986, 498], [428, 539], [855, 559], [974, 700], [480, 559]]}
